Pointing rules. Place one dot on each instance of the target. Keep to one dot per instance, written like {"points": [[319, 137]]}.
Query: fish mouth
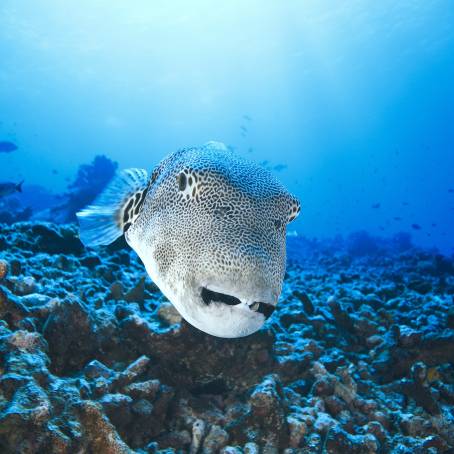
{"points": [[209, 296]]}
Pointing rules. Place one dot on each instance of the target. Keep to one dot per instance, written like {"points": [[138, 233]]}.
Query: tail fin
{"points": [[114, 209], [19, 186]]}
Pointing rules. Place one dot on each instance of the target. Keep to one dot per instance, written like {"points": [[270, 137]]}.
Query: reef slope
{"points": [[358, 357]]}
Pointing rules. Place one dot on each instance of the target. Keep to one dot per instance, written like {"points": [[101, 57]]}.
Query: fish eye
{"points": [[182, 181]]}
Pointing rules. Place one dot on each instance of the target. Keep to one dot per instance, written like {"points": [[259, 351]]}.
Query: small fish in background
{"points": [[54, 171], [279, 167], [450, 190], [7, 147], [247, 117], [250, 150], [434, 224], [10, 188], [416, 227], [405, 203], [375, 205], [397, 218]]}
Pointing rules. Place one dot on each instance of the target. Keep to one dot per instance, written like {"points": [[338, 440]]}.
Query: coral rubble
{"points": [[358, 357]]}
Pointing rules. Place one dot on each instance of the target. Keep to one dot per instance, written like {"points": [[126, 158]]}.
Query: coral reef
{"points": [[90, 180], [358, 357], [37, 203]]}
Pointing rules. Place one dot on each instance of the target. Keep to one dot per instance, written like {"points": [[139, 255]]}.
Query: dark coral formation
{"points": [[358, 357], [90, 180], [37, 203]]}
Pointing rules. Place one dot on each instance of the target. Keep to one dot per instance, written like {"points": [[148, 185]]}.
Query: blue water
{"points": [[351, 103]]}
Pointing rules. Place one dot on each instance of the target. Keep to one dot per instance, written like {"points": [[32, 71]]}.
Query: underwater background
{"points": [[350, 103]]}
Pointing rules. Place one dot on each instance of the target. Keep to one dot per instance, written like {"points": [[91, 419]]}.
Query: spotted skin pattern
{"points": [[131, 209], [209, 219]]}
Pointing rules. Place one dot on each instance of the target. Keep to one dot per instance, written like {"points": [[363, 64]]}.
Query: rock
{"points": [[56, 239], [251, 448], [93, 360], [95, 369], [70, 334], [267, 407], [297, 429], [135, 369], [99, 432], [216, 439], [143, 407], [25, 285], [307, 303], [168, 313], [117, 407], [147, 389], [323, 423], [231, 450], [4, 268], [116, 291], [12, 311], [137, 293], [34, 300]]}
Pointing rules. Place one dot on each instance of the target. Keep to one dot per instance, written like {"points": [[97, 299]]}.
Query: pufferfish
{"points": [[210, 228]]}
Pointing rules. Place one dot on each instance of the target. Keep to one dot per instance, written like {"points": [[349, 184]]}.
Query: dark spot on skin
{"points": [[193, 192], [137, 198], [142, 199], [190, 181], [129, 205], [182, 182], [277, 223], [126, 227]]}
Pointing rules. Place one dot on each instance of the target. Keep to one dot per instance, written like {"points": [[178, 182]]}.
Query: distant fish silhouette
{"points": [[10, 188], [405, 203], [279, 167], [243, 128], [250, 150], [54, 171], [376, 205], [247, 117], [397, 218], [434, 224], [416, 226], [451, 190], [7, 147]]}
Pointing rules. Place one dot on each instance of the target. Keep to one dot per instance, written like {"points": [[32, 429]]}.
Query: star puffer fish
{"points": [[210, 228]]}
